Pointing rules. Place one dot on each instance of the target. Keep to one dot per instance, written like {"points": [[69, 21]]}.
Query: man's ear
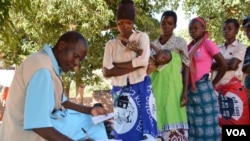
{"points": [[61, 45]]}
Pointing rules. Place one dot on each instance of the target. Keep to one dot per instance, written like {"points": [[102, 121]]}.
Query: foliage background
{"points": [[26, 25]]}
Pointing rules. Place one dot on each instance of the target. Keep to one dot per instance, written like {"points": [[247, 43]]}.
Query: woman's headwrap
{"points": [[200, 20]]}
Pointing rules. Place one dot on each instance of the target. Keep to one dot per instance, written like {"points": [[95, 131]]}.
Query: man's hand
{"points": [[98, 110]]}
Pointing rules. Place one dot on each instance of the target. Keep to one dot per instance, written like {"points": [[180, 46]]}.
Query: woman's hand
{"points": [[138, 52], [184, 100]]}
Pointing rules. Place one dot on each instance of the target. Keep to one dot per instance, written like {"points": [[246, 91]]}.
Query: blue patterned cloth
{"points": [[135, 112], [203, 112]]}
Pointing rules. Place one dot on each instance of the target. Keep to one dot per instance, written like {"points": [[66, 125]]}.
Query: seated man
{"points": [[36, 107]]}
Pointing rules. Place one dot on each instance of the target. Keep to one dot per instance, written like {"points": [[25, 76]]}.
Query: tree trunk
{"points": [[66, 89], [80, 92], [79, 86]]}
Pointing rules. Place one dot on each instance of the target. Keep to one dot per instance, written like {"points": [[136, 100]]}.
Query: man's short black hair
{"points": [[72, 37], [234, 21]]}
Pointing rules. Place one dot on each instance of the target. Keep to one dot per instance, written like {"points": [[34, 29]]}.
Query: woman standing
{"points": [[125, 62], [233, 102], [202, 107], [170, 82]]}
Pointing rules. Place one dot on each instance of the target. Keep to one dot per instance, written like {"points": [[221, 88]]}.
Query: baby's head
{"points": [[163, 57]]}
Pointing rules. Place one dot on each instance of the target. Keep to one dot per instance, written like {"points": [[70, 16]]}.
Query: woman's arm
{"points": [[214, 66], [124, 65], [156, 50], [231, 63], [246, 69], [185, 79], [151, 65], [221, 69], [115, 71], [246, 64], [144, 45]]}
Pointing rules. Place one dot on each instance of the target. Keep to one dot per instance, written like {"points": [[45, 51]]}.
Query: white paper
{"points": [[6, 77], [101, 118]]}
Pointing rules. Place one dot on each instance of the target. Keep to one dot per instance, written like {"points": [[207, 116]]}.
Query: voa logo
{"points": [[236, 132]]}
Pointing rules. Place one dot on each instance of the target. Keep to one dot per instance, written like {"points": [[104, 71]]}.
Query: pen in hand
{"points": [[85, 132]]}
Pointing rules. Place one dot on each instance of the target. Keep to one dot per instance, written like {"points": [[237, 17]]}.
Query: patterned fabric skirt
{"points": [[135, 112], [203, 112], [175, 135]]}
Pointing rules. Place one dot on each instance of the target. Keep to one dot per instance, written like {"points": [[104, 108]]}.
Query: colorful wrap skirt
{"points": [[135, 112], [233, 103], [203, 112]]}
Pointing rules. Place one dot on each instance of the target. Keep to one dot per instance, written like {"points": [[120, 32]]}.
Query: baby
{"points": [[160, 58]]}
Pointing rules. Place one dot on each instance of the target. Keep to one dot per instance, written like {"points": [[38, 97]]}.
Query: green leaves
{"points": [[25, 25], [4, 11], [216, 12]]}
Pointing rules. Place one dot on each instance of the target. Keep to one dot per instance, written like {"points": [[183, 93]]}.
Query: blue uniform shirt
{"points": [[40, 103]]}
